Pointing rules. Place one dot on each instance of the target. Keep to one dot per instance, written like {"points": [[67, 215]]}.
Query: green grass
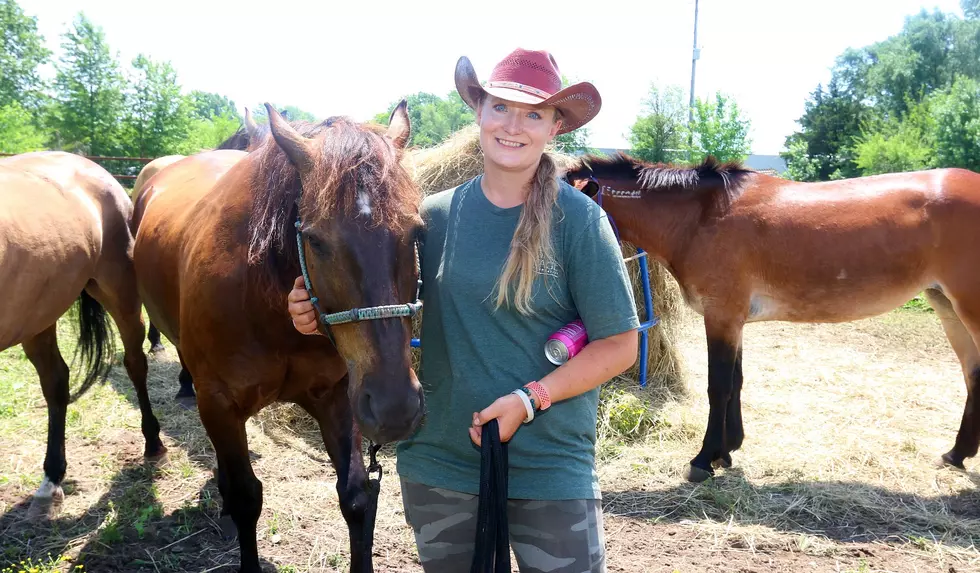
{"points": [[918, 304]]}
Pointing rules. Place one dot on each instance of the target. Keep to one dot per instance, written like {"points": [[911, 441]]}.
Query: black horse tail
{"points": [[96, 342]]}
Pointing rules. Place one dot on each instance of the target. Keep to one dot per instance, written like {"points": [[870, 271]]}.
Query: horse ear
{"points": [[251, 127], [399, 125], [297, 148]]}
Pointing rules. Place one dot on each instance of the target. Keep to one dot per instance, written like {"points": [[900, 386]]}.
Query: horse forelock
{"points": [[724, 181], [352, 161]]}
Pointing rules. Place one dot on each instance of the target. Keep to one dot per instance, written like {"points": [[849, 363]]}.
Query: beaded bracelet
{"points": [[542, 393]]}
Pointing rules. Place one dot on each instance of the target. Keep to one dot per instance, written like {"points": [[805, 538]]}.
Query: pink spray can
{"points": [[565, 343]]}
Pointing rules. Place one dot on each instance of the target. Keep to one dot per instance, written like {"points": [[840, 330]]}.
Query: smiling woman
{"points": [[507, 259]]}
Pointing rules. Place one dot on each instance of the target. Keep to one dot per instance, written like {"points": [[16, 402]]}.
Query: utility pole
{"points": [[695, 54]]}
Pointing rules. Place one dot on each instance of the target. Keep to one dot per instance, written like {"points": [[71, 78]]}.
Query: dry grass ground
{"points": [[843, 423]]}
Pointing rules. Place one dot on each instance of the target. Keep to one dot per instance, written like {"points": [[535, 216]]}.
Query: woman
{"points": [[508, 258]]}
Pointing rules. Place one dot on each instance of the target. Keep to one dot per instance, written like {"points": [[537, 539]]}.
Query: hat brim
{"points": [[578, 103]]}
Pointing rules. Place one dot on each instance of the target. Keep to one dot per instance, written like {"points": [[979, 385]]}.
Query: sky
{"points": [[355, 57]]}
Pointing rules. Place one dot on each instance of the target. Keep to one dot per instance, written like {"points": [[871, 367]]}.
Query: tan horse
{"points": [[216, 262], [64, 237], [747, 247]]}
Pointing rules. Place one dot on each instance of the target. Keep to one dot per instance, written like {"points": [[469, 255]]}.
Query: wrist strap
{"points": [[527, 405]]}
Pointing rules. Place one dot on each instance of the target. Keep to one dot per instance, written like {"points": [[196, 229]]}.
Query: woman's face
{"points": [[513, 135]]}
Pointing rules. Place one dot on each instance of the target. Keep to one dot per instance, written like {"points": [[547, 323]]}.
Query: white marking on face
{"points": [[363, 204], [47, 488], [842, 275]]}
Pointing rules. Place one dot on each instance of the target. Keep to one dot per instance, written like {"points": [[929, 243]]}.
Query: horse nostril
{"points": [[366, 410]]}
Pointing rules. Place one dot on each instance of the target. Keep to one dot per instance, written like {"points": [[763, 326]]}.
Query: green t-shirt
{"points": [[473, 354]]}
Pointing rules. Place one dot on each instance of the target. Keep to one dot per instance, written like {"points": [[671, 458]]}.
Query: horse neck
{"points": [[661, 225]]}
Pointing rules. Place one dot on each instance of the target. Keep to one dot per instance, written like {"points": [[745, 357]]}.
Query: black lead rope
{"points": [[492, 553]]}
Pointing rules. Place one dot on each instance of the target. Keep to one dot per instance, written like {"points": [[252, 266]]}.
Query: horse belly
{"points": [[833, 303]]}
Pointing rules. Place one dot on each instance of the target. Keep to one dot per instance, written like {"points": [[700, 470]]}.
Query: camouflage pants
{"points": [[546, 536]]}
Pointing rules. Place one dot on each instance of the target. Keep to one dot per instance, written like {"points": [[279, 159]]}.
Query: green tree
{"points": [[18, 134], [800, 166], [971, 8], [157, 115], [433, 118], [22, 51], [897, 145], [659, 133], [203, 134], [290, 112], [205, 105], [719, 129], [832, 118], [956, 117], [88, 91]]}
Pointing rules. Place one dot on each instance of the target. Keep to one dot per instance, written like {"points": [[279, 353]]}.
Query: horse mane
{"points": [[723, 182], [352, 159]]}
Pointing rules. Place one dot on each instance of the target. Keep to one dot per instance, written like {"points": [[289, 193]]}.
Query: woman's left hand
{"points": [[508, 410]]}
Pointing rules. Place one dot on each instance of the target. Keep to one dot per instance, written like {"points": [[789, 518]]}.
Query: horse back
{"points": [[139, 193], [834, 251]]}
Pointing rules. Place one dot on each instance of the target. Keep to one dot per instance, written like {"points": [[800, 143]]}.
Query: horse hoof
{"points": [[186, 402], [950, 460], [695, 474], [158, 349], [46, 508], [725, 461], [158, 457], [229, 531]]}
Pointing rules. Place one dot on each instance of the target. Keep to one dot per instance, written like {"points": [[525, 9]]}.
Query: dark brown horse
{"points": [[64, 237], [747, 247], [216, 262]]}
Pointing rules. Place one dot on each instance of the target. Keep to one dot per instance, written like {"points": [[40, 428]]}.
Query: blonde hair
{"points": [[531, 247]]}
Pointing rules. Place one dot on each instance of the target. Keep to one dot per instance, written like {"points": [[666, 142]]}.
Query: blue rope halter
{"points": [[355, 314]]}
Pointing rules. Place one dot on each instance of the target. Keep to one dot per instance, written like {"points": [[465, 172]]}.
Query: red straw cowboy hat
{"points": [[531, 77]]}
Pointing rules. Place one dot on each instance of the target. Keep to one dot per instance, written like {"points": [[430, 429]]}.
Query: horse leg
{"points": [[734, 431], [122, 304], [967, 348], [241, 491], [342, 439], [724, 339], [153, 336], [43, 352], [185, 395]]}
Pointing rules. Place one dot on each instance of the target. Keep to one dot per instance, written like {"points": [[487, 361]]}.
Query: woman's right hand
{"points": [[301, 309]]}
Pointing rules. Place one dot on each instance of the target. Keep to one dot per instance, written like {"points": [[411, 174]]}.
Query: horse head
{"points": [[358, 220]]}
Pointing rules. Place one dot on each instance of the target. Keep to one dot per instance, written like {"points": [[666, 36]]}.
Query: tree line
{"points": [[95, 105], [909, 102]]}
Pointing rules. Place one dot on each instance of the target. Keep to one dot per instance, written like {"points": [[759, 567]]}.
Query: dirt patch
{"points": [[843, 423]]}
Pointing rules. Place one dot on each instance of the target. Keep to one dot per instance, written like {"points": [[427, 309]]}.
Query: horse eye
{"points": [[316, 244]]}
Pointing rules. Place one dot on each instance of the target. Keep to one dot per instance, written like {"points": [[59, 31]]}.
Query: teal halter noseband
{"points": [[355, 314]]}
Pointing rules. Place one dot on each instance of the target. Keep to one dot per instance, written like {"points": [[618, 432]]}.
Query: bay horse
{"points": [[64, 237], [748, 247], [215, 263], [247, 138]]}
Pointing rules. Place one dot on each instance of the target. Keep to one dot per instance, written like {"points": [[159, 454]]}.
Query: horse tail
{"points": [[96, 342]]}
